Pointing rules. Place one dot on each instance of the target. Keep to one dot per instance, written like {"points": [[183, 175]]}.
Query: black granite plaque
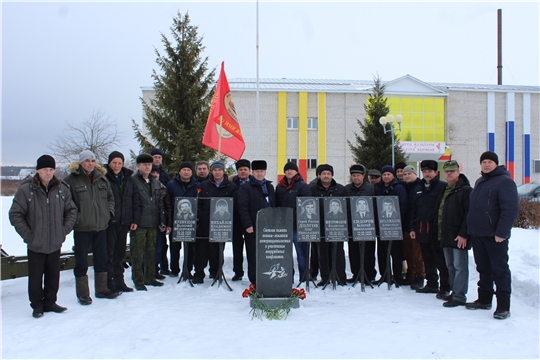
{"points": [[274, 252], [221, 219], [307, 219], [185, 219], [389, 218], [363, 221], [335, 219]]}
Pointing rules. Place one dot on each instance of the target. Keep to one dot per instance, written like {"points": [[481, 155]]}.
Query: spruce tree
{"points": [[174, 120], [373, 148]]}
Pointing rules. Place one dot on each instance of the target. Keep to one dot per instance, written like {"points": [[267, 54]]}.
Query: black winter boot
{"points": [[418, 283], [102, 291], [483, 302], [82, 290], [503, 307]]}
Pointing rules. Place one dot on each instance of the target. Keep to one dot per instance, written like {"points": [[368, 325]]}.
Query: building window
{"points": [[312, 163], [292, 123], [293, 160], [312, 123]]}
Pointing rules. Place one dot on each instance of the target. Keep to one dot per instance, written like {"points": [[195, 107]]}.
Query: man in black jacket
{"points": [[257, 194], [289, 188], [157, 156], [218, 185], [161, 240], [360, 187], [326, 186], [452, 225], [243, 170], [125, 200], [411, 248], [423, 228], [493, 209], [152, 216]]}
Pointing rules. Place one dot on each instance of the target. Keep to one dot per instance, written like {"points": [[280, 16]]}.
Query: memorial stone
{"points": [[274, 252], [308, 219], [389, 218], [335, 219], [363, 221], [185, 219], [221, 220]]}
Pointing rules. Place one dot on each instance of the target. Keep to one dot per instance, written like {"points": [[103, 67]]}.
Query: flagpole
{"points": [[257, 92], [220, 131]]}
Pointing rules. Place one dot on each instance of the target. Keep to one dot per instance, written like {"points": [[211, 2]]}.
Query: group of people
{"points": [[103, 204]]}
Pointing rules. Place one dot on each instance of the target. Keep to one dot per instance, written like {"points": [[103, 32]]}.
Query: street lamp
{"points": [[390, 119]]}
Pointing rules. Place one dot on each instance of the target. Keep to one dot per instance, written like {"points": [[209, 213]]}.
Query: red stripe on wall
{"points": [[510, 167], [302, 166]]}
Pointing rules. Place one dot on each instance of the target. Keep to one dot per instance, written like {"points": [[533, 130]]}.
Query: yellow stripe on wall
{"points": [[302, 124], [321, 109], [282, 132]]}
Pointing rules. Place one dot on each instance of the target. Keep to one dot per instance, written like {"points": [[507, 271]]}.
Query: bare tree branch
{"points": [[98, 133]]}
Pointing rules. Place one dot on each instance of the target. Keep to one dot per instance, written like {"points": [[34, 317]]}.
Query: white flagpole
{"points": [[257, 126]]}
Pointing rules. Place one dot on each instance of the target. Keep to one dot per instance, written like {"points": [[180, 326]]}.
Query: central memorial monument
{"points": [[274, 255]]}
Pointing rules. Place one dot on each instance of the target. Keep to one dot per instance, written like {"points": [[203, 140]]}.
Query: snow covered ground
{"points": [[177, 321]]}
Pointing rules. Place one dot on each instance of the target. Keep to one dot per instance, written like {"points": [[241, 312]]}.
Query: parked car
{"points": [[530, 191]]}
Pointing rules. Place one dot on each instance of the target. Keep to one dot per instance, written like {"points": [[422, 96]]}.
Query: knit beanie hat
{"points": [[290, 166], [155, 168], [45, 161], [490, 155], [217, 165], [114, 155], [185, 164], [410, 169], [85, 155], [388, 168], [156, 151]]}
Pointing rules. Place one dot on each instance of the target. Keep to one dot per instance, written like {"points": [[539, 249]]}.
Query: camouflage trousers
{"points": [[143, 255]]}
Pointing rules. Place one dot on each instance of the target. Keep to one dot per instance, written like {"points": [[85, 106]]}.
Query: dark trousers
{"points": [[251, 253], [369, 258], [325, 253], [238, 250], [396, 261], [42, 293], [174, 250], [314, 260], [83, 240], [161, 252], [300, 254], [116, 251], [433, 261], [206, 252], [491, 260], [189, 261]]}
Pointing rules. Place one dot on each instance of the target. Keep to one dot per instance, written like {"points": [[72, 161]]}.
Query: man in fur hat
{"points": [[93, 196]]}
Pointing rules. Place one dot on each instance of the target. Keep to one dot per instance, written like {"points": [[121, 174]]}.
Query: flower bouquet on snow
{"points": [[261, 308]]}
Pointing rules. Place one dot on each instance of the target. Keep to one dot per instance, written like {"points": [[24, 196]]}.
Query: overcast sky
{"points": [[63, 61]]}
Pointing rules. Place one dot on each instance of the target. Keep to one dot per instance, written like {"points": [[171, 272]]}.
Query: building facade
{"points": [[311, 121]]}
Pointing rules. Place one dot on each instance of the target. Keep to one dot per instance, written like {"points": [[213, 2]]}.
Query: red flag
{"points": [[222, 112]]}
